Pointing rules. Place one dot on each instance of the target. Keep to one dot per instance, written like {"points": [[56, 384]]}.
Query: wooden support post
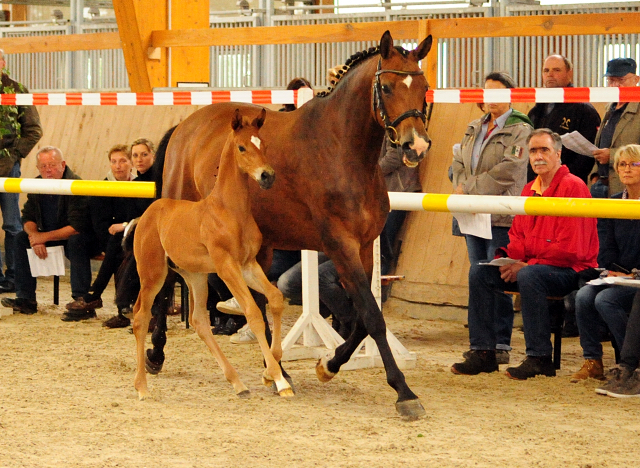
{"points": [[190, 64], [136, 20]]}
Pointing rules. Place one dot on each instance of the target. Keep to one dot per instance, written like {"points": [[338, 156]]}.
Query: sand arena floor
{"points": [[67, 400]]}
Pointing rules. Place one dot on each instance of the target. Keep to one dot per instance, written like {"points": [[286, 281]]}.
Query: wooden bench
{"points": [[556, 312]]}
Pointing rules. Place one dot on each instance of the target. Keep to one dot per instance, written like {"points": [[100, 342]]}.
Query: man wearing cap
{"points": [[557, 72], [620, 126]]}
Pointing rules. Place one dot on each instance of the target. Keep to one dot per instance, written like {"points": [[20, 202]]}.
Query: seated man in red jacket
{"points": [[550, 251]]}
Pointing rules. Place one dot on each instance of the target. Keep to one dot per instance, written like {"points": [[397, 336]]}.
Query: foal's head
{"points": [[249, 149]]}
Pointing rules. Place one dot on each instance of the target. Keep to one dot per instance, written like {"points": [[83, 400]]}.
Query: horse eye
{"points": [[386, 89], [242, 149]]}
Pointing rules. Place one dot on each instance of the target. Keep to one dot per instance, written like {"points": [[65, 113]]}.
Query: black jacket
{"points": [[106, 211], [565, 118], [72, 209]]}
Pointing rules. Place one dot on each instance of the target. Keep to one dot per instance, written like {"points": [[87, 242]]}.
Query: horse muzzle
{"points": [[266, 177], [416, 151]]}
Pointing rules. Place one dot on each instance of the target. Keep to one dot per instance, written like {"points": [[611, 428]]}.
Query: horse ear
{"points": [[386, 44], [423, 49], [258, 121], [236, 122]]}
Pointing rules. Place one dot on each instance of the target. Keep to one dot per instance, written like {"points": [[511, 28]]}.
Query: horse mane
{"points": [[354, 60]]}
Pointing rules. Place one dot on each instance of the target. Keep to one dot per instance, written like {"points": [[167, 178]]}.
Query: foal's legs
{"points": [[199, 318], [230, 272], [152, 269]]}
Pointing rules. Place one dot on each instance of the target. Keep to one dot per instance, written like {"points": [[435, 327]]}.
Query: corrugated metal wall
{"points": [[462, 63]]}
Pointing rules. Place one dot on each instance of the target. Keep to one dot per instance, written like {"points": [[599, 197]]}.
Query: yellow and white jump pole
{"points": [[537, 206], [98, 188]]}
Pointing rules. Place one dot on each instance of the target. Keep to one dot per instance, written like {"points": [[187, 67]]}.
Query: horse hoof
{"points": [[244, 394], [287, 392], [143, 396], [274, 387], [150, 366], [410, 410], [324, 375], [267, 381]]}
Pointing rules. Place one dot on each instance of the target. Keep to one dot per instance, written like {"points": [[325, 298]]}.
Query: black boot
{"points": [[476, 363]]}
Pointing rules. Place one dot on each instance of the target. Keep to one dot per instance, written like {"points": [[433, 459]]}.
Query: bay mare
{"points": [[330, 195]]}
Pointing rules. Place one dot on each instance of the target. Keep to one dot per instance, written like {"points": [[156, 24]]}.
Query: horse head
{"points": [[398, 100], [249, 149]]}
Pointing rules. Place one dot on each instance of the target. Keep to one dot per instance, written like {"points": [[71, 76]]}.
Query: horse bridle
{"points": [[378, 103]]}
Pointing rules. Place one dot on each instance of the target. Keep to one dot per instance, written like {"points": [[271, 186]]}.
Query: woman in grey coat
{"points": [[492, 160]]}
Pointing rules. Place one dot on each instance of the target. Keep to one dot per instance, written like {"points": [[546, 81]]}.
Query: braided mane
{"points": [[351, 62]]}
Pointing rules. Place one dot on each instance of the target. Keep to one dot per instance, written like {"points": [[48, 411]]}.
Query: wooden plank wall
{"points": [[434, 262]]}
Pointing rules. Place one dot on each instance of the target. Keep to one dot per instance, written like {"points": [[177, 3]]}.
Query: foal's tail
{"points": [[158, 164], [126, 278]]}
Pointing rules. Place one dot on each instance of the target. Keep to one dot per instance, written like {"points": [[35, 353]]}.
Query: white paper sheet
{"points": [[617, 280], [53, 265], [576, 142], [475, 224], [500, 261]]}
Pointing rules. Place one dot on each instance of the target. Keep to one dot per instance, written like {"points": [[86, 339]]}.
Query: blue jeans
{"points": [[78, 249], [595, 304], [535, 283], [11, 225], [481, 250]]}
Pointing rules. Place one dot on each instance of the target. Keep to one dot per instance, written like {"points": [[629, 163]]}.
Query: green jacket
{"points": [[73, 210], [20, 127]]}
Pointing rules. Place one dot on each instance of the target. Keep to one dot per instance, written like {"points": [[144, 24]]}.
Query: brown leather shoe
{"points": [[81, 304], [591, 369]]}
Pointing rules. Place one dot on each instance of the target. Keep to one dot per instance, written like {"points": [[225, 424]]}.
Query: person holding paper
{"points": [[557, 72], [550, 252], [53, 220], [620, 126], [492, 160], [619, 254]]}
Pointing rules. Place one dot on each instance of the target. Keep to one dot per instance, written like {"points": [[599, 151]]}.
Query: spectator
{"points": [[620, 126], [619, 254], [492, 160], [624, 381], [548, 251], [21, 130], [54, 220], [110, 217], [562, 118]]}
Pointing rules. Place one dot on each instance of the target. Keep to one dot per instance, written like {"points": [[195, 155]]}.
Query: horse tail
{"points": [[158, 164], [126, 278]]}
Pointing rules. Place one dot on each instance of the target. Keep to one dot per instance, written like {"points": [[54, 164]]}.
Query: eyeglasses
{"points": [[45, 167], [624, 164], [617, 81]]}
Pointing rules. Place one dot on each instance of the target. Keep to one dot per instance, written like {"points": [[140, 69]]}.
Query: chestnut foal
{"points": [[217, 234]]}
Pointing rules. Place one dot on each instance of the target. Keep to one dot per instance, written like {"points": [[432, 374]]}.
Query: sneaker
{"points": [[22, 306], [591, 369], [82, 304], [230, 306], [244, 336], [532, 366], [628, 388], [502, 356], [78, 315], [117, 321], [476, 362], [615, 377]]}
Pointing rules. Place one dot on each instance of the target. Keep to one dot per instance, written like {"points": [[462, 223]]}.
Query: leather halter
{"points": [[378, 102]]}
